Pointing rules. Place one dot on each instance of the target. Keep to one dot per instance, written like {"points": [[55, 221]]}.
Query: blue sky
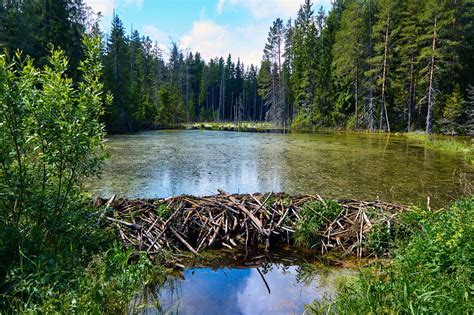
{"points": [[212, 27]]}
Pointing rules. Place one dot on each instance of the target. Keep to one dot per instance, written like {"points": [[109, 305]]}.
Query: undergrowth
{"points": [[106, 286], [432, 272], [314, 216]]}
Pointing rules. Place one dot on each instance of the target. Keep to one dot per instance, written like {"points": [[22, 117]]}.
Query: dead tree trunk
{"points": [[429, 114], [384, 114]]}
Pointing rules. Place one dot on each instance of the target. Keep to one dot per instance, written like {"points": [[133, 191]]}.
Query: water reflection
{"points": [[270, 289], [361, 166]]}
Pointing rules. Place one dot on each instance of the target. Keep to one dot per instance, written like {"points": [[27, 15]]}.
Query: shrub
{"points": [[315, 215], [51, 139], [432, 272], [302, 121]]}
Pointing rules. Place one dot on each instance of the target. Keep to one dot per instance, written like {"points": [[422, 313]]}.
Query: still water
{"points": [[337, 165], [269, 289]]}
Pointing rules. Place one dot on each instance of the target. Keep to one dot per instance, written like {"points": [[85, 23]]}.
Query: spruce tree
{"points": [[350, 52]]}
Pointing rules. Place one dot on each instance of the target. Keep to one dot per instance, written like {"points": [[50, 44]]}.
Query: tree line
{"points": [[373, 64], [366, 64]]}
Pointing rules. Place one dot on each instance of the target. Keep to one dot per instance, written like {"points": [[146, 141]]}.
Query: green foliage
{"points": [[442, 143], [453, 112], [106, 286], [302, 121], [163, 211], [315, 216], [375, 58], [432, 272], [51, 139], [171, 107]]}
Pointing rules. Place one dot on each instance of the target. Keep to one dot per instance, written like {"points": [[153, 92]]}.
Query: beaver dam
{"points": [[247, 221]]}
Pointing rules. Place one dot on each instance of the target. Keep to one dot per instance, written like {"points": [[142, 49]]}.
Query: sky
{"points": [[214, 28]]}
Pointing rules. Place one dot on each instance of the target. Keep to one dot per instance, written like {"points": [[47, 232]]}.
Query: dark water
{"points": [[241, 291], [361, 166]]}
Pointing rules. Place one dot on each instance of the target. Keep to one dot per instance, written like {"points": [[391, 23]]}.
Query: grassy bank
{"points": [[432, 270], [444, 143], [231, 126]]}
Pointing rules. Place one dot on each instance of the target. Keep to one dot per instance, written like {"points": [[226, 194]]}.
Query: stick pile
{"points": [[237, 221]]}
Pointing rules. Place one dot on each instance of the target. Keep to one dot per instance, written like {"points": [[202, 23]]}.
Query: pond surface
{"points": [[269, 289], [337, 165]]}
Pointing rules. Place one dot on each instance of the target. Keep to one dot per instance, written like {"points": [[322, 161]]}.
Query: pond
{"points": [[266, 288], [337, 165]]}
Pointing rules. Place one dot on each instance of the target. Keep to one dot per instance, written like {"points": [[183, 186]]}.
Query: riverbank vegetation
{"points": [[432, 270], [364, 64], [442, 143], [52, 259]]}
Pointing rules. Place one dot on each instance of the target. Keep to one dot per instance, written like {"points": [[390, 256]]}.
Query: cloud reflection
{"points": [[240, 291]]}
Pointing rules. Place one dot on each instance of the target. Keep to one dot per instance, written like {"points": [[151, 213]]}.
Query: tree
{"points": [[305, 58], [51, 140], [383, 57], [469, 112], [274, 93], [407, 49], [453, 112], [434, 43], [349, 51], [117, 78]]}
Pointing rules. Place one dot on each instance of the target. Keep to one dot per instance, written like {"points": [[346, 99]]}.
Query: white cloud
{"points": [[269, 8], [214, 40], [155, 34], [134, 3], [158, 36], [106, 7]]}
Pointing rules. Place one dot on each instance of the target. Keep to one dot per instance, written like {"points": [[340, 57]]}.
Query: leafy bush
{"points": [[302, 122], [315, 215], [432, 273], [51, 139]]}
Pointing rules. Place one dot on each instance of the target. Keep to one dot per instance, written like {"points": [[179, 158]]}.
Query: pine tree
{"points": [[469, 112], [381, 63], [349, 52], [305, 59], [117, 78], [407, 49], [435, 44], [274, 97]]}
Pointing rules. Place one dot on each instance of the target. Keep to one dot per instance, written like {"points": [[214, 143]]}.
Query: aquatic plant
{"points": [[441, 143]]}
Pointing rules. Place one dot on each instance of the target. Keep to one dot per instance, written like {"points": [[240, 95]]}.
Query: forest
{"points": [[366, 64], [356, 198]]}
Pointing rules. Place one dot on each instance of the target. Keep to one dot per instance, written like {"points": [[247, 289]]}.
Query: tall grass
{"points": [[106, 286], [432, 272], [444, 144]]}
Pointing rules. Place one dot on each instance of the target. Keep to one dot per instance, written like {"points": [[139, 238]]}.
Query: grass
{"points": [[241, 126], [432, 272], [83, 271], [447, 144], [106, 285]]}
